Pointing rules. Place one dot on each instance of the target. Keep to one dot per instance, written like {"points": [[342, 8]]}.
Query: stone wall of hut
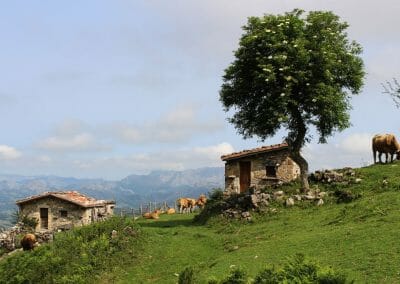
{"points": [[57, 218], [285, 168]]}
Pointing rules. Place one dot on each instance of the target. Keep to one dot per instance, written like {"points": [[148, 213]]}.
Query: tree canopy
{"points": [[293, 71]]}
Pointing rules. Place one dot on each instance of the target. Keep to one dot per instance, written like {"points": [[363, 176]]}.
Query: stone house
{"points": [[62, 210], [258, 168]]}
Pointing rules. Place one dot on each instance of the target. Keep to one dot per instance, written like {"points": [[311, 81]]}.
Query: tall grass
{"points": [[76, 256]]}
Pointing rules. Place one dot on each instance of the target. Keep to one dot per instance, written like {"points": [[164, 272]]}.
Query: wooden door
{"points": [[44, 218], [245, 169]]}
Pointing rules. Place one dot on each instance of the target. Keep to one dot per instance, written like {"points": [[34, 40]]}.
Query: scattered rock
{"points": [[289, 202], [320, 202]]}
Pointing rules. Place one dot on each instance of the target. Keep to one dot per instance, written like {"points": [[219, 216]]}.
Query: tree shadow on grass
{"points": [[168, 223]]}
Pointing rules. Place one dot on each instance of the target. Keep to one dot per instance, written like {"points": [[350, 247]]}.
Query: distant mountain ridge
{"points": [[130, 191]]}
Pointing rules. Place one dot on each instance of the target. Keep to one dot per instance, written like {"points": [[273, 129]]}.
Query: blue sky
{"points": [[110, 88]]}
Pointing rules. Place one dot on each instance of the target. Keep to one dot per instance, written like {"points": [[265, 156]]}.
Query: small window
{"points": [[270, 171], [64, 213]]}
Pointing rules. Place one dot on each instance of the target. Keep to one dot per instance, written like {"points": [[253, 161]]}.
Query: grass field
{"points": [[360, 238]]}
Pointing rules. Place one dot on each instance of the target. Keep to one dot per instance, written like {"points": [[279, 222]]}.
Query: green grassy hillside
{"points": [[359, 238]]}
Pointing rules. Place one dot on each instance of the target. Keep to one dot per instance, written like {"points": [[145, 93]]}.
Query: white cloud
{"points": [[353, 150], [177, 126], [9, 153], [77, 142], [74, 143], [214, 151], [357, 143]]}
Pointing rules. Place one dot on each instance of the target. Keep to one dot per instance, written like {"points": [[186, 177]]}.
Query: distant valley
{"points": [[130, 192]]}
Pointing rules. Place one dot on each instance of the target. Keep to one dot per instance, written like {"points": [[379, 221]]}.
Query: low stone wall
{"points": [[8, 238]]}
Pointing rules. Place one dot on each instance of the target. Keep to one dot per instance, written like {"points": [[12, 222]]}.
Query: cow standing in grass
{"points": [[385, 143], [28, 242], [201, 201]]}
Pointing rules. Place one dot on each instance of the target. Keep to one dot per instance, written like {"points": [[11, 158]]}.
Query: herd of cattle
{"points": [[184, 204], [385, 144]]}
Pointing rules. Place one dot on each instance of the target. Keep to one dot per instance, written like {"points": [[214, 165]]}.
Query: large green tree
{"points": [[296, 72]]}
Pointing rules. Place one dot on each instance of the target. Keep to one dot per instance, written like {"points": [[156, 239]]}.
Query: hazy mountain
{"points": [[131, 191]]}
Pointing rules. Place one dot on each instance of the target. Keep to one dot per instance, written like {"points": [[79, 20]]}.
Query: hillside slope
{"points": [[359, 238]]}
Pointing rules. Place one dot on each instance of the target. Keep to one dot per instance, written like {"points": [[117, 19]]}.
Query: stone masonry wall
{"points": [[76, 215], [286, 170]]}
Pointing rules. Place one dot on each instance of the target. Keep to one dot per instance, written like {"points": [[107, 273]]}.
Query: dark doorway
{"points": [[44, 218], [245, 169]]}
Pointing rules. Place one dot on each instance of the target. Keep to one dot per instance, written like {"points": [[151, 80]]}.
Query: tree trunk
{"points": [[299, 160], [296, 140]]}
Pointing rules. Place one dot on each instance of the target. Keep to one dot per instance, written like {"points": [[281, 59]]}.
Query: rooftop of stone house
{"points": [[255, 151], [70, 196]]}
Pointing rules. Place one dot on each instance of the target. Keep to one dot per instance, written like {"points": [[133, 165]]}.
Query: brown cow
{"points": [[385, 143], [201, 201], [28, 242], [183, 205], [152, 215], [191, 204]]}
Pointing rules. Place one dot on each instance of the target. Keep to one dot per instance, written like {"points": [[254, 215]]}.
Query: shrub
{"points": [[74, 256], [300, 270], [187, 276], [237, 276], [346, 196]]}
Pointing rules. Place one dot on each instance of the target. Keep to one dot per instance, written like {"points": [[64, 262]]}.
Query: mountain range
{"points": [[129, 192]]}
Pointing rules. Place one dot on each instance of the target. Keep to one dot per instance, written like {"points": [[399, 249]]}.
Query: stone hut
{"points": [[258, 168], [64, 209]]}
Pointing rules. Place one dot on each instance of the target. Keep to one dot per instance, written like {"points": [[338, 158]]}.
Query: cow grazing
{"points": [[201, 201], [28, 242], [385, 143]]}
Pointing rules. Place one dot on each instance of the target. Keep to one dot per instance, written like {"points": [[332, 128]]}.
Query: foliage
{"points": [[187, 276], [75, 256], [293, 72], [237, 276], [296, 270], [346, 196], [300, 270], [393, 89]]}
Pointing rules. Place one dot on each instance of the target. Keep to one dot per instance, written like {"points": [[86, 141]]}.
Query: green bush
{"points": [[75, 256], [237, 276], [187, 276], [296, 270], [346, 196], [300, 270]]}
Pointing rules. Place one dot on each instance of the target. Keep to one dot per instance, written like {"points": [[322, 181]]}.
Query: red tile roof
{"points": [[254, 151], [70, 196]]}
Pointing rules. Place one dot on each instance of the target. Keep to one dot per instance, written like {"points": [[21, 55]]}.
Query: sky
{"points": [[104, 89]]}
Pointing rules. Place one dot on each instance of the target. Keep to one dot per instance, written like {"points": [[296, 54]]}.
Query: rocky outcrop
{"points": [[241, 206]]}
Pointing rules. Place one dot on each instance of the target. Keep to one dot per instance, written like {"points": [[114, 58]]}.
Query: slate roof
{"points": [[255, 151], [70, 196]]}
